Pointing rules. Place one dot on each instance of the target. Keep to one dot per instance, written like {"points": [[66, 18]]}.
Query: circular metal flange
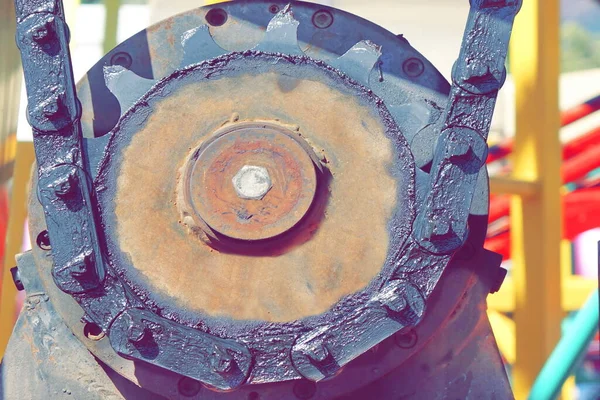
{"points": [[302, 282], [280, 337], [251, 181]]}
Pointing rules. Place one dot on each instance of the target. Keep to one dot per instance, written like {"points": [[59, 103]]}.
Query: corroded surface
{"points": [[186, 292], [335, 254], [249, 181]]}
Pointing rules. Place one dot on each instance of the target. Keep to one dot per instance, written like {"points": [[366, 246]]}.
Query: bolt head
{"points": [[222, 362], [407, 339], [51, 107], [65, 185], [440, 227], [393, 299], [16, 276], [252, 182], [413, 67], [42, 31], [459, 147], [480, 78], [82, 263], [316, 351], [135, 333]]}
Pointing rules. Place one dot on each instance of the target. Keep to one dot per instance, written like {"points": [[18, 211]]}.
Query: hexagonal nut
{"points": [[252, 182]]}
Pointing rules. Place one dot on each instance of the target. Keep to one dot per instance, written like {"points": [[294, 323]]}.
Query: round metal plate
{"points": [[155, 53], [337, 249], [252, 181]]}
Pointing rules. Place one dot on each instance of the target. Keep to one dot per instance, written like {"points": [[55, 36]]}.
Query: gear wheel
{"points": [[257, 190]]}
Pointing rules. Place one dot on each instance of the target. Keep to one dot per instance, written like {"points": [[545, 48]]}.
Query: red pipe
{"points": [[569, 150], [578, 166], [499, 151], [499, 207], [499, 244], [574, 168], [567, 117], [581, 212], [576, 146], [575, 113]]}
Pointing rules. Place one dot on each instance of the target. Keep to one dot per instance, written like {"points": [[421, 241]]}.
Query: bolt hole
{"points": [[273, 9], [305, 389], [322, 19], [43, 240], [216, 17], [413, 67], [123, 59], [93, 331], [188, 387], [253, 396], [406, 340], [380, 68]]}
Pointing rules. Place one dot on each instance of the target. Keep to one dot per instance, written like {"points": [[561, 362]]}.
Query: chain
{"points": [[64, 188], [440, 229], [461, 149]]}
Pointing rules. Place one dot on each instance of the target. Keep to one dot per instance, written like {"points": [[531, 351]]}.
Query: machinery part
{"points": [[16, 276], [249, 182], [249, 234], [53, 112], [450, 354]]}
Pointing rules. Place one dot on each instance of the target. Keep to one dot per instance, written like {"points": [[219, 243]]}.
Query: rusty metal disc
{"points": [[325, 266], [336, 248], [251, 181]]}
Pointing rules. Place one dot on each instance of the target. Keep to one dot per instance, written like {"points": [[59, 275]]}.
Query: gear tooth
{"points": [[358, 62], [125, 85], [95, 149], [281, 35], [413, 117], [199, 45]]}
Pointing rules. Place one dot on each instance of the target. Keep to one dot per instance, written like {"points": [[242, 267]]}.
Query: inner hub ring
{"points": [[250, 181]]}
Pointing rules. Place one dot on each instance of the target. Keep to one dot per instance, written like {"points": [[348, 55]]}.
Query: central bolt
{"points": [[252, 182]]}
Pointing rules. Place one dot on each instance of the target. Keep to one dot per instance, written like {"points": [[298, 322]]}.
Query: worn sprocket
{"points": [[271, 212]]}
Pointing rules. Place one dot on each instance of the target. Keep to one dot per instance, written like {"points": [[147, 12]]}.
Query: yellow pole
{"points": [[14, 238], [111, 24], [536, 220], [10, 90]]}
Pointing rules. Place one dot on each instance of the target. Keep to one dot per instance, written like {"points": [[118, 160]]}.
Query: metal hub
{"points": [[287, 243], [363, 231], [251, 181]]}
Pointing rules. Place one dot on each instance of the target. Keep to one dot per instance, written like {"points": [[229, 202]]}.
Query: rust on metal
{"points": [[251, 181], [328, 255]]}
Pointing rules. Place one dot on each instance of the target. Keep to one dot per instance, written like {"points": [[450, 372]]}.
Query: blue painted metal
{"points": [[53, 111], [89, 265]]}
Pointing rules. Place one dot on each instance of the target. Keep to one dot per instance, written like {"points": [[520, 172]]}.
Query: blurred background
{"points": [[564, 106]]}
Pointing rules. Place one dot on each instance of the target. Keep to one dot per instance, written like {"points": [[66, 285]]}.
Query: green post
{"points": [[568, 351]]}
